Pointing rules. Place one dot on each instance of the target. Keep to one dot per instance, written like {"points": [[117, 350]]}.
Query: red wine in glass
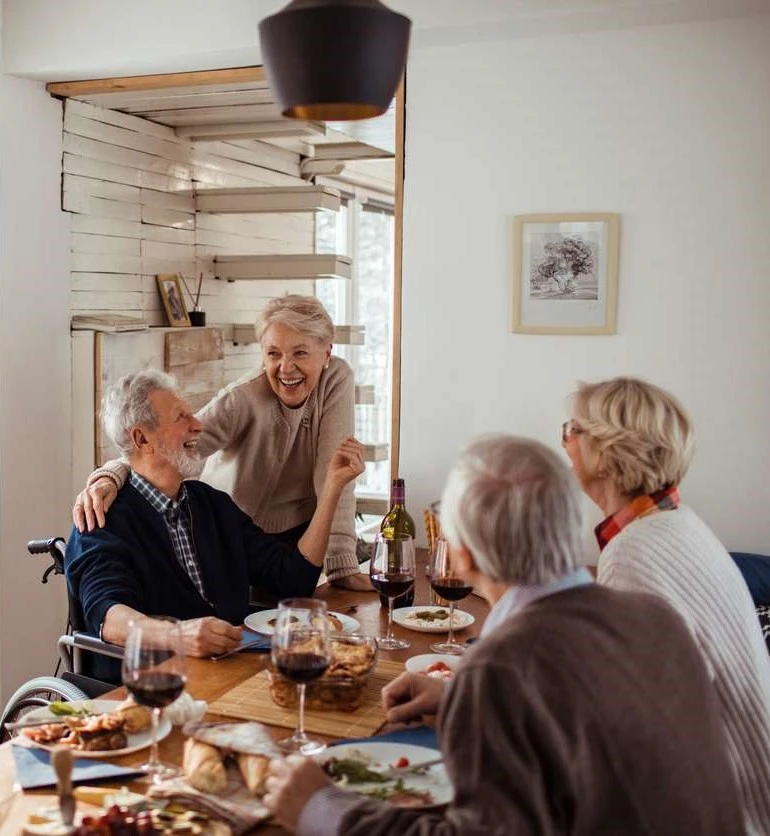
{"points": [[391, 585], [155, 689], [301, 667], [452, 589], [446, 583]]}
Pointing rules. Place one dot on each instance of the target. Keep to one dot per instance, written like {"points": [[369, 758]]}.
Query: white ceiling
{"points": [[54, 40]]}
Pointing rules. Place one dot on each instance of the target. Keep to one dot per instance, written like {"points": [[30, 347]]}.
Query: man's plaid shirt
{"points": [[178, 521]]}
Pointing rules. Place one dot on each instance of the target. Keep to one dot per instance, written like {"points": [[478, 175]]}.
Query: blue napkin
{"points": [[415, 736], [264, 642], [33, 769]]}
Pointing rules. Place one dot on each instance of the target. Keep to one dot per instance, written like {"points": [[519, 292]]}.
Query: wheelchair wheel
{"points": [[36, 693]]}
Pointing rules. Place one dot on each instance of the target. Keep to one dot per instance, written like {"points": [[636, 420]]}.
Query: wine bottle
{"points": [[398, 522]]}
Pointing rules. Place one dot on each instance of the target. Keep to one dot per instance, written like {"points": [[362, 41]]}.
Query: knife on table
{"points": [[61, 760]]}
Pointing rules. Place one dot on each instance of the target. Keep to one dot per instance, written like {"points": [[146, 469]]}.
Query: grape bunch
{"points": [[117, 821]]}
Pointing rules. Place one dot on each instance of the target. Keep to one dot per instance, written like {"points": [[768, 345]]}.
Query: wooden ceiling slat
{"points": [[171, 94], [66, 89], [214, 115], [226, 98]]}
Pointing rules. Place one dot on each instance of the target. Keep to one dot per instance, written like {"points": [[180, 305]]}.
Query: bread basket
{"points": [[342, 686]]}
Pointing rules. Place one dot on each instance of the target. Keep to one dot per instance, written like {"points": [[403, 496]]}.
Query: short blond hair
{"points": [[302, 313], [515, 505], [641, 434]]}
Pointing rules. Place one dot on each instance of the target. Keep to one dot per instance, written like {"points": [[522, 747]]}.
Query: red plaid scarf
{"points": [[663, 500]]}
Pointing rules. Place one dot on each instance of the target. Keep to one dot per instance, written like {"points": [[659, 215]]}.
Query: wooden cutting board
{"points": [[196, 357], [251, 700]]}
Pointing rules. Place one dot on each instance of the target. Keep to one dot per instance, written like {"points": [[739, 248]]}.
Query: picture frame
{"points": [[170, 289], [565, 273]]}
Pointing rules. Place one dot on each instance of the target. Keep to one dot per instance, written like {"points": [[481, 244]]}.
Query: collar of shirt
{"points": [[517, 597], [666, 499], [158, 500]]}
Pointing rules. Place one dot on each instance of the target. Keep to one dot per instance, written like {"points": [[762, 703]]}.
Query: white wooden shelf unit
{"points": [[282, 267], [263, 199]]}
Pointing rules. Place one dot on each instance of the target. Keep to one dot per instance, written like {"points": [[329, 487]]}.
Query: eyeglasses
{"points": [[568, 429]]}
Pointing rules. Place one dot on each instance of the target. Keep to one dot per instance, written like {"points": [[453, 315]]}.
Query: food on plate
{"points": [[101, 732], [335, 622], [253, 769], [352, 771], [401, 763], [428, 615], [273, 621], [117, 821], [137, 718], [341, 688], [67, 709], [249, 738], [400, 795], [439, 670], [204, 766]]}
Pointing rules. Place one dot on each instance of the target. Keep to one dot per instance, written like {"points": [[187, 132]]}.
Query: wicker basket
{"points": [[337, 689]]}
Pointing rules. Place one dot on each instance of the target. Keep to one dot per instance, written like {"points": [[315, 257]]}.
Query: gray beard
{"points": [[188, 464]]}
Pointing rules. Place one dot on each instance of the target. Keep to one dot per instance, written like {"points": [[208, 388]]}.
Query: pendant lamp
{"points": [[334, 60]]}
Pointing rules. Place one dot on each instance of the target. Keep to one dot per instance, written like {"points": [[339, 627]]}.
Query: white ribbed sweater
{"points": [[675, 555]]}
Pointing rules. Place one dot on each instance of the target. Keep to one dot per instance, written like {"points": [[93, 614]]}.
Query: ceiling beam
{"points": [[67, 89]]}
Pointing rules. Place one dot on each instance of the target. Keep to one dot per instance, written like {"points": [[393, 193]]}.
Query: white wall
{"points": [[668, 126], [34, 377]]}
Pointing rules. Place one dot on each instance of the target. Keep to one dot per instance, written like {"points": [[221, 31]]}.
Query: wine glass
{"points": [[450, 586], [154, 675], [301, 651], [392, 573]]}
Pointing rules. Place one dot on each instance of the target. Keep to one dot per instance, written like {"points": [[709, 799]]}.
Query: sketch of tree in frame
{"points": [[565, 270]]}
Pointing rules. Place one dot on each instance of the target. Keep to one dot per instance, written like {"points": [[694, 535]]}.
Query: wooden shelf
{"points": [[350, 335], [267, 199], [365, 395], [376, 452], [372, 505], [282, 267]]}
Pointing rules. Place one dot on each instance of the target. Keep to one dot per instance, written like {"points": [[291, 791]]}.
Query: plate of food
{"points": [[367, 768], [93, 728], [431, 619], [435, 665], [264, 622]]}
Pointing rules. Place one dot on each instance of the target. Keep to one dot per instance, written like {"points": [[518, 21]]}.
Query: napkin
{"points": [[413, 735], [263, 642], [33, 769]]}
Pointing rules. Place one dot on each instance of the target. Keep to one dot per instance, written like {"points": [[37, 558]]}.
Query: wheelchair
{"points": [[72, 679]]}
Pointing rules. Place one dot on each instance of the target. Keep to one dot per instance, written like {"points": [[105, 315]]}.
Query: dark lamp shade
{"points": [[334, 60]]}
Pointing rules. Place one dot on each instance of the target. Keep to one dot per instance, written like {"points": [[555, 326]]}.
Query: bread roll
{"points": [[137, 718], [254, 771], [203, 767]]}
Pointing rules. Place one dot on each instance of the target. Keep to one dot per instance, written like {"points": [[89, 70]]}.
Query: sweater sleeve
{"points": [[116, 470], [280, 569], [336, 423], [491, 770]]}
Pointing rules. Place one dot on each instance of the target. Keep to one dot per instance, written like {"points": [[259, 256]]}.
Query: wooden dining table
{"points": [[208, 680]]}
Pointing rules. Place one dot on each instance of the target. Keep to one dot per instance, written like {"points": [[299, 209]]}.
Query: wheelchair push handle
{"points": [[47, 546]]}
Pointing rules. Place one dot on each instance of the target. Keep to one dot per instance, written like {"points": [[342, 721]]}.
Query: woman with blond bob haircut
{"points": [[270, 436], [631, 444]]}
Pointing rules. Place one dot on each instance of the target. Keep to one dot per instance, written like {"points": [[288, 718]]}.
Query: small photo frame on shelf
{"points": [[565, 273], [170, 289]]}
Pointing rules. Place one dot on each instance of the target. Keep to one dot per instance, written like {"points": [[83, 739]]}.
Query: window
{"points": [[364, 230]]}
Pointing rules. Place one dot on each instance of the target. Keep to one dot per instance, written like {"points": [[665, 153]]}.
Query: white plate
{"points": [[381, 756], [417, 664], [405, 616], [259, 622], [138, 741]]}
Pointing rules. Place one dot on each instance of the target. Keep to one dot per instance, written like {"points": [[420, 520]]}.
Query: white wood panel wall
{"points": [[127, 182]]}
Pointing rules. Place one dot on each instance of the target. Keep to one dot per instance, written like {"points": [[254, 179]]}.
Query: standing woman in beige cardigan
{"points": [[270, 436]]}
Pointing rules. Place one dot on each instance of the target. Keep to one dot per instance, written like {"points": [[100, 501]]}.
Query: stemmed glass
{"points": [[450, 586], [154, 674], [301, 651], [392, 573]]}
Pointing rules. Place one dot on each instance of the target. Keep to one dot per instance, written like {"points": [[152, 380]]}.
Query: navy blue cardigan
{"points": [[131, 561]]}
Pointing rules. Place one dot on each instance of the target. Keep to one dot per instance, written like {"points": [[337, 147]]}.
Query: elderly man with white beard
{"points": [[173, 545]]}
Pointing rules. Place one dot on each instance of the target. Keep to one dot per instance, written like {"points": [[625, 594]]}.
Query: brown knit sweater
{"points": [[588, 712]]}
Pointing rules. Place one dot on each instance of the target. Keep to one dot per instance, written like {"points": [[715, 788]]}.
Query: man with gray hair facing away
{"points": [[581, 710], [182, 548]]}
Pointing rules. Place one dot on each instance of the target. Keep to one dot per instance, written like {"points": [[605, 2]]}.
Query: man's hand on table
{"points": [[290, 784], [411, 695], [358, 583], [208, 636]]}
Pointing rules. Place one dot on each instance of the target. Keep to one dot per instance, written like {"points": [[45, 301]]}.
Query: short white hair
{"points": [[515, 505], [126, 404], [304, 314]]}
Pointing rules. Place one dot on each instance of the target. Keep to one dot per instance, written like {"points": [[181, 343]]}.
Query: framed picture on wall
{"points": [[170, 289], [565, 273]]}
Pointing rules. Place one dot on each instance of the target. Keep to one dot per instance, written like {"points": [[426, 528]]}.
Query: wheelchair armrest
{"points": [[83, 641]]}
